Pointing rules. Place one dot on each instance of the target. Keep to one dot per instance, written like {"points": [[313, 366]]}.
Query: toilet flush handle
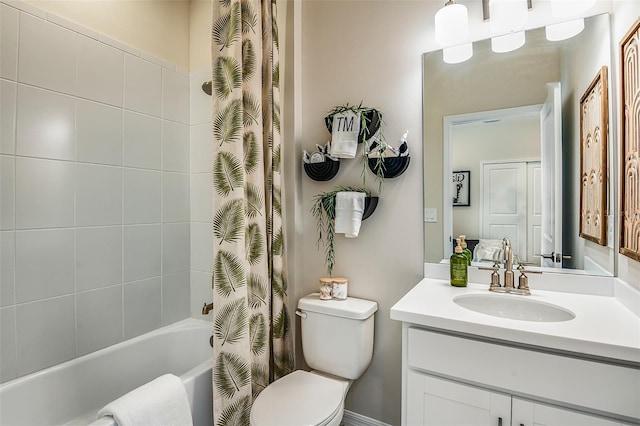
{"points": [[301, 314]]}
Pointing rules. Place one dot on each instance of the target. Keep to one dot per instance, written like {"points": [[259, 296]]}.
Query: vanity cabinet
{"points": [[433, 401], [466, 380]]}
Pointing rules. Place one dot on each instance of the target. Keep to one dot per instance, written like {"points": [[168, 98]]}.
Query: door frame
{"points": [[448, 124]]}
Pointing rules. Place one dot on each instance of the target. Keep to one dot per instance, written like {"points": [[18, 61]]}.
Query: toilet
{"points": [[337, 343]]}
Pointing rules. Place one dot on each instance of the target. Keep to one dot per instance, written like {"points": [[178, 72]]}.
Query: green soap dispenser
{"points": [[465, 250], [458, 267]]}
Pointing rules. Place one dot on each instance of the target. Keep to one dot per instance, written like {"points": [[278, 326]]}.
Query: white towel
{"points": [[161, 402], [345, 128], [349, 210]]}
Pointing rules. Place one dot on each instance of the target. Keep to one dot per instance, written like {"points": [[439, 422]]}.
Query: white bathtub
{"points": [[72, 393]]}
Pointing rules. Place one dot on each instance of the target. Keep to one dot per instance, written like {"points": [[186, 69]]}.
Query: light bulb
{"points": [[451, 24], [564, 30], [508, 42], [457, 54]]}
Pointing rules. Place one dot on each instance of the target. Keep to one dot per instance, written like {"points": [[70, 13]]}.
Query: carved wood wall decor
{"points": [[594, 123], [630, 128]]}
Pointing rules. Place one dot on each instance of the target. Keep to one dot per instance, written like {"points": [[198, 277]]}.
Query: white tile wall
{"points": [[7, 194], [100, 72], [46, 324], [7, 116], [44, 193], [98, 257], [142, 196], [98, 195], [7, 262], [44, 264], [142, 252], [175, 147], [142, 307], [142, 141], [9, 18], [47, 55], [8, 350], [45, 124], [201, 188], [99, 133], [99, 318], [94, 191], [142, 86], [175, 197]]}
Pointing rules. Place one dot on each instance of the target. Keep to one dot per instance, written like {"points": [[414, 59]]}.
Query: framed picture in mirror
{"points": [[630, 143], [594, 123], [460, 188]]}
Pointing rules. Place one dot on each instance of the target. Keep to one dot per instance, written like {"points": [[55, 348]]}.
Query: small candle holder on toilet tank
{"points": [[340, 288], [326, 287]]}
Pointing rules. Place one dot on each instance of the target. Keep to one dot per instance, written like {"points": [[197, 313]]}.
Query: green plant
{"points": [[367, 117], [324, 210]]}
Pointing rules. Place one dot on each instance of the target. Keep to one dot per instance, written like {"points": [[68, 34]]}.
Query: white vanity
{"points": [[571, 359]]}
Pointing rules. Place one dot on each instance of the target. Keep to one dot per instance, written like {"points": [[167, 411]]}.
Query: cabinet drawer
{"points": [[593, 385]]}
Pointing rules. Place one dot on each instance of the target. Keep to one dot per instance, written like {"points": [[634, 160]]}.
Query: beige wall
{"points": [[157, 27], [356, 51], [199, 34]]}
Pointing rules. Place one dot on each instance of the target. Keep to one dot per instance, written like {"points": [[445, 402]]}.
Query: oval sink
{"points": [[513, 307]]}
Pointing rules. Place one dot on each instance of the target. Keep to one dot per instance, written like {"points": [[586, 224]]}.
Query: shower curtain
{"points": [[252, 345]]}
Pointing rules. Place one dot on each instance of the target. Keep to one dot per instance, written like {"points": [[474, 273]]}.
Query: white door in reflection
{"points": [[510, 205]]}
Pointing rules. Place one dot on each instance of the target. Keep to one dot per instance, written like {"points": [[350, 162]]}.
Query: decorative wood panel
{"points": [[594, 123], [630, 127]]}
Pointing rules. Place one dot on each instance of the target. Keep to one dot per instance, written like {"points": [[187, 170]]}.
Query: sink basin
{"points": [[514, 307]]}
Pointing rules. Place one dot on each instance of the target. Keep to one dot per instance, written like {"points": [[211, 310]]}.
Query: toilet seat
{"points": [[299, 398]]}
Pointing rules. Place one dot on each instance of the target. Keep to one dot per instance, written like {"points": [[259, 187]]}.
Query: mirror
{"points": [[484, 116]]}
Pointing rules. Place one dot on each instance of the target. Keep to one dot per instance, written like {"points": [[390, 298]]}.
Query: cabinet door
{"points": [[437, 402], [528, 413]]}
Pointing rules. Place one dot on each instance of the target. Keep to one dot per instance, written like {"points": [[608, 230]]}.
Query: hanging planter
{"points": [[323, 171], [391, 166], [370, 120]]}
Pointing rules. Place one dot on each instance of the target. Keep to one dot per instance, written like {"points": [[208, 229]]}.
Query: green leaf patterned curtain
{"points": [[251, 325]]}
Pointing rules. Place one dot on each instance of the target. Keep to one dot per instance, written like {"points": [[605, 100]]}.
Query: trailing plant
{"points": [[324, 210]]}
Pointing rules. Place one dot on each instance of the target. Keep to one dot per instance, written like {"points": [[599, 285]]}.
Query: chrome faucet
{"points": [[523, 281], [508, 264]]}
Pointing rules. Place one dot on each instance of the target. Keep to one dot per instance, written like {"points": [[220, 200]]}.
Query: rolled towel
{"points": [[345, 129], [161, 402], [349, 210]]}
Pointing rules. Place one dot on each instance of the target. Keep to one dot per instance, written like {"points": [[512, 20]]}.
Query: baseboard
{"points": [[354, 419]]}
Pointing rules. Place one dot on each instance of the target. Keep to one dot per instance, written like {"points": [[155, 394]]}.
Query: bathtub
{"points": [[71, 393]]}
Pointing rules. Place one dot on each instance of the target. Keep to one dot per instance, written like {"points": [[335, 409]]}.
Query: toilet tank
{"points": [[337, 335]]}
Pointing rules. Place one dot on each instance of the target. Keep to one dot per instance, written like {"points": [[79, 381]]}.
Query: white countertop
{"points": [[603, 327]]}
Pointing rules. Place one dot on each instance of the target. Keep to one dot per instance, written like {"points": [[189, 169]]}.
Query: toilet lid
{"points": [[298, 399]]}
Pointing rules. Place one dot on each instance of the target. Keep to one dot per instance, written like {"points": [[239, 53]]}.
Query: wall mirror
{"points": [[512, 120]]}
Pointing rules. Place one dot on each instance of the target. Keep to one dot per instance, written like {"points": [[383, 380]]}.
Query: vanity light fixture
{"points": [[564, 30], [508, 42], [457, 54], [507, 15], [568, 8], [451, 24]]}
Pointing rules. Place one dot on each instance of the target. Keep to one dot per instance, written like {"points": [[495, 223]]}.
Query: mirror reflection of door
{"points": [[510, 206]]}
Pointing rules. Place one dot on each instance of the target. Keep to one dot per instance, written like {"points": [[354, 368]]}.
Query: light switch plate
{"points": [[430, 215]]}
